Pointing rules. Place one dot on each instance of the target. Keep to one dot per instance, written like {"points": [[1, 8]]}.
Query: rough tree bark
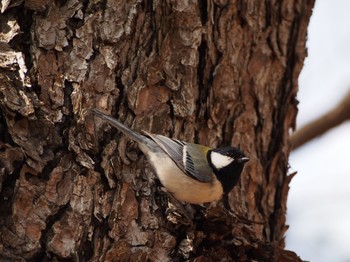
{"points": [[213, 72]]}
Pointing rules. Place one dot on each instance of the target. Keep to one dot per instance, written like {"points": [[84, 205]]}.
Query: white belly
{"points": [[181, 186]]}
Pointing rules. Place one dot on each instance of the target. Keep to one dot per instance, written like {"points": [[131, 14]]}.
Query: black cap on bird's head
{"points": [[227, 164]]}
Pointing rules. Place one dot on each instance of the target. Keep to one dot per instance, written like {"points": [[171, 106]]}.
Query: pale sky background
{"points": [[319, 199]]}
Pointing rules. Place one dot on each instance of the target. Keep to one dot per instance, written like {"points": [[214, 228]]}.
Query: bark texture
{"points": [[212, 72]]}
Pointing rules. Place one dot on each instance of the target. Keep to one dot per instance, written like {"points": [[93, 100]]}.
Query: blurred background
{"points": [[319, 199]]}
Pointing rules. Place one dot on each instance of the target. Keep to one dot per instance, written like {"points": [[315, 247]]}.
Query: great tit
{"points": [[192, 173]]}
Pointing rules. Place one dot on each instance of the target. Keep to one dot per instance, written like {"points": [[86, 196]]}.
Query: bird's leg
{"points": [[225, 207], [176, 210]]}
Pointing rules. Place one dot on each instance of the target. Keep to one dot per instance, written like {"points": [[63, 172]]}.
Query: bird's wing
{"points": [[192, 160], [197, 162]]}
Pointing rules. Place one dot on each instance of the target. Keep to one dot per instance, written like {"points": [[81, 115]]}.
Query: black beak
{"points": [[242, 160]]}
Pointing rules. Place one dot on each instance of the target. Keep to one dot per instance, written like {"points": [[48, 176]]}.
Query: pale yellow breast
{"points": [[183, 187]]}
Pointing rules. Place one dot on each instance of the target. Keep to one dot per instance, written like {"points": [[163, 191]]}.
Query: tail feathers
{"points": [[125, 130]]}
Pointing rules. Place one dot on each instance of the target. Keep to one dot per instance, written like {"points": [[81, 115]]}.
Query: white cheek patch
{"points": [[219, 161]]}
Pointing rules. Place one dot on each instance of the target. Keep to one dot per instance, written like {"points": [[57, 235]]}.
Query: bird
{"points": [[191, 173]]}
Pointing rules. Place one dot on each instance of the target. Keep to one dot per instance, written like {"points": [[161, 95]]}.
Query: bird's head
{"points": [[227, 164]]}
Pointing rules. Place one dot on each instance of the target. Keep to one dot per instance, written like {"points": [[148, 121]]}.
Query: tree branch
{"points": [[333, 118]]}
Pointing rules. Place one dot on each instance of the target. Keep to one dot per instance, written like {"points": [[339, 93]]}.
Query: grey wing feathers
{"points": [[200, 171], [172, 147], [197, 163]]}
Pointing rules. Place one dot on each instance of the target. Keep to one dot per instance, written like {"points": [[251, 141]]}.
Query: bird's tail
{"points": [[124, 129]]}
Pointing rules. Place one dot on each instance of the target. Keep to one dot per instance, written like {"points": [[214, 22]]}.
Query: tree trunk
{"points": [[215, 73]]}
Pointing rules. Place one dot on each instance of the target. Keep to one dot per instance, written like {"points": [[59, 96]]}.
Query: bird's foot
{"points": [[179, 213]]}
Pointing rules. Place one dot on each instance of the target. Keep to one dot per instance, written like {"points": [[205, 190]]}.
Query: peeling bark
{"points": [[216, 73]]}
